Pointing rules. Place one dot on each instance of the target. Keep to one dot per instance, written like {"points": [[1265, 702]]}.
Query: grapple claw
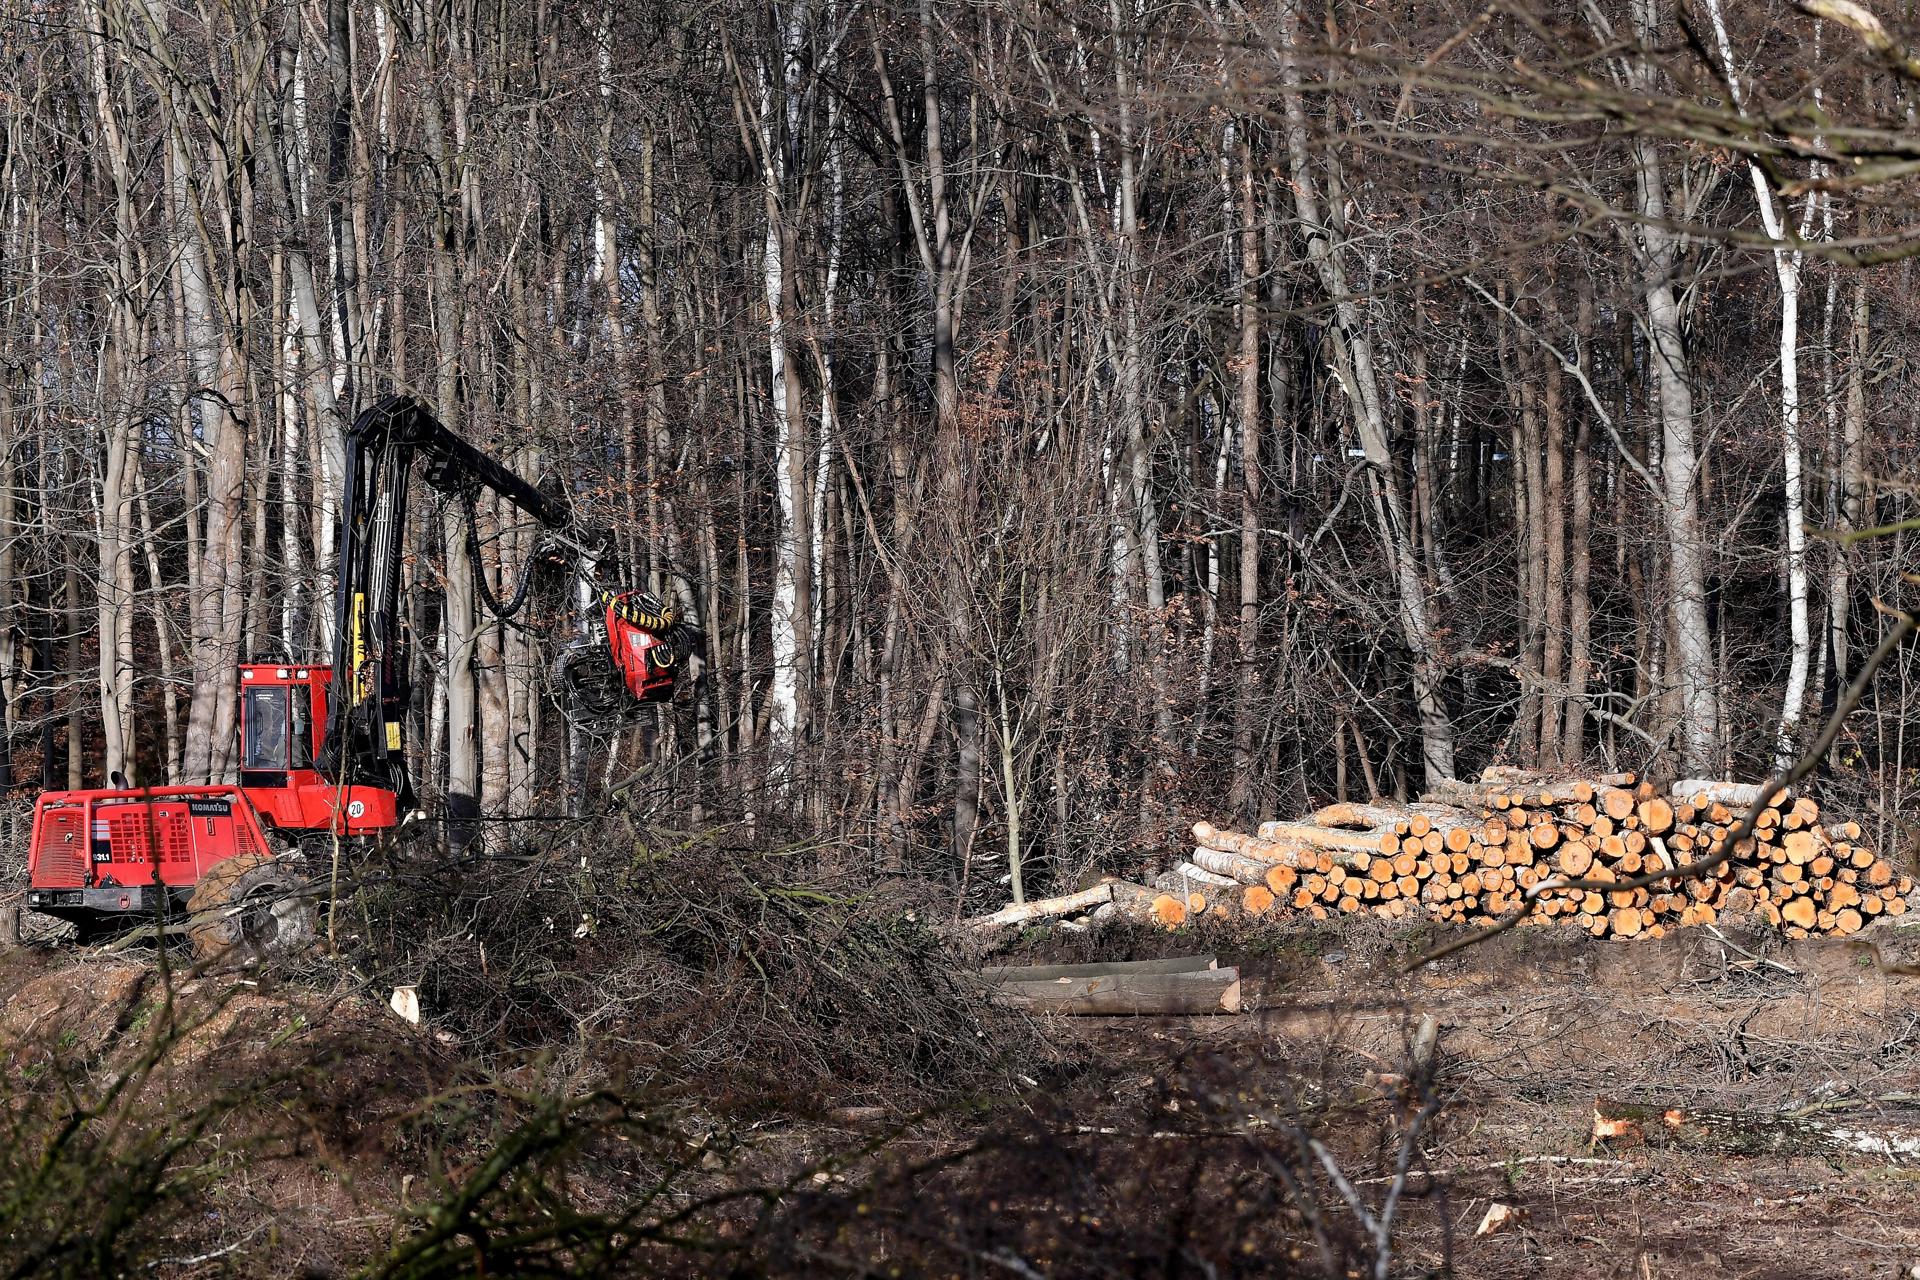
{"points": [[591, 691]]}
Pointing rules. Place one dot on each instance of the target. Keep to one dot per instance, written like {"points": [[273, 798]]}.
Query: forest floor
{"points": [[1182, 1124], [1752, 1032]]}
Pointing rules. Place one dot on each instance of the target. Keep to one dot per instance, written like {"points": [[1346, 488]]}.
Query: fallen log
{"points": [[1199, 891], [1237, 866], [1146, 994], [1454, 793], [1045, 908], [1303, 833], [1808, 1132], [1200, 875], [1167, 911], [1362, 816], [1098, 968], [1510, 776], [1735, 795], [1274, 852], [1532, 789], [1131, 901]]}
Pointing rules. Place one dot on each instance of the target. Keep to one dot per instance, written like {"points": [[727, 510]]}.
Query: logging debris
{"points": [[1888, 1133]]}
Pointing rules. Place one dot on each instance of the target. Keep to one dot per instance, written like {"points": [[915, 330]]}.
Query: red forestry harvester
{"points": [[321, 750]]}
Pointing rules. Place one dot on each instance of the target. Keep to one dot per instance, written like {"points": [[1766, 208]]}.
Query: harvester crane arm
{"points": [[362, 742]]}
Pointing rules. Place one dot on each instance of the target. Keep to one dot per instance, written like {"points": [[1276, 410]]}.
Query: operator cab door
{"points": [[276, 725]]}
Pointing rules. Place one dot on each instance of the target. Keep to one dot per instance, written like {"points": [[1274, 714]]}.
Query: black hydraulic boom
{"points": [[363, 739]]}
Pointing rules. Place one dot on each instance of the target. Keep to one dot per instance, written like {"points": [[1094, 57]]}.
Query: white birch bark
{"points": [[1786, 268], [788, 450]]}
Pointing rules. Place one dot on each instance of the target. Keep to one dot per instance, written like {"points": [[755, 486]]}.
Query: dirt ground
{"points": [[1765, 1035], [1537, 1025]]}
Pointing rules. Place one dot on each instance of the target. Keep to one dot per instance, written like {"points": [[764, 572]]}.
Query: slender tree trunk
{"points": [[1579, 592], [460, 626], [113, 590], [1247, 647], [1852, 480], [1355, 351], [1656, 246], [163, 636], [313, 354], [77, 627], [1786, 268], [932, 226], [791, 603], [1518, 368], [1554, 597]]}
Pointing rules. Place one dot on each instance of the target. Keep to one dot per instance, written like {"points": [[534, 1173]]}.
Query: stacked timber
{"points": [[1472, 853]]}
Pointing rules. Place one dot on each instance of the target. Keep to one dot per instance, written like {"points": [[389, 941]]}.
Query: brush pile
{"points": [[1469, 852]]}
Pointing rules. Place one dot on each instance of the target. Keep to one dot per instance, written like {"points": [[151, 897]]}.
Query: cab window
{"points": [[301, 707], [265, 729]]}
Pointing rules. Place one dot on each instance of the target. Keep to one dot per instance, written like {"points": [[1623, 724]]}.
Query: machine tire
{"points": [[248, 908]]}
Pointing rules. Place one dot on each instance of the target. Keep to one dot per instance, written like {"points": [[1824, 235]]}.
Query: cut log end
{"points": [[1169, 911]]}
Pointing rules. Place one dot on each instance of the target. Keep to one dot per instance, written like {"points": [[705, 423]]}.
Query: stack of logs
{"points": [[1469, 852]]}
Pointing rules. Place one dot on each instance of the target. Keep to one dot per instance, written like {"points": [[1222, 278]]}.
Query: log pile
{"points": [[1469, 852]]}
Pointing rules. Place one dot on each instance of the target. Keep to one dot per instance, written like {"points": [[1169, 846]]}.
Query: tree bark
{"points": [[1247, 644], [1656, 252], [1355, 349]]}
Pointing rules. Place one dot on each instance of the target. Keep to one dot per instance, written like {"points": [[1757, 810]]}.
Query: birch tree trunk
{"points": [[1354, 349], [460, 626], [791, 604], [1786, 269]]}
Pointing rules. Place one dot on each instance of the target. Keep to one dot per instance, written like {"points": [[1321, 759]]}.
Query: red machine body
{"points": [[642, 651], [109, 851], [283, 716]]}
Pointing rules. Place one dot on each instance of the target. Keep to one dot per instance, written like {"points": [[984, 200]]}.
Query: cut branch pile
{"points": [[1470, 852]]}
